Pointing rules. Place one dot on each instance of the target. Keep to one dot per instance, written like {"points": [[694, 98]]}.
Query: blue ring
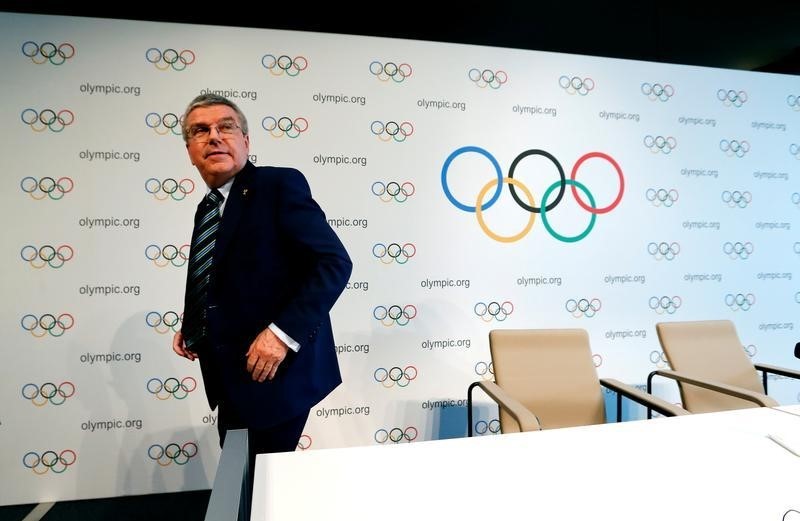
{"points": [[488, 156]]}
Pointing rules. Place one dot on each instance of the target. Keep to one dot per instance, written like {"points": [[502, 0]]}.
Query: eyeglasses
{"points": [[202, 133]]}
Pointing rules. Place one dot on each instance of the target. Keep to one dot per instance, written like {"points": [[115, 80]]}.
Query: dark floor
{"points": [[180, 506]]}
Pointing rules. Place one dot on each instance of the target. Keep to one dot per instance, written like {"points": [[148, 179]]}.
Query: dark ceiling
{"points": [[755, 36]]}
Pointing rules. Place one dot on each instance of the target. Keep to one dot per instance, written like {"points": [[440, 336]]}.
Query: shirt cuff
{"points": [[289, 341]]}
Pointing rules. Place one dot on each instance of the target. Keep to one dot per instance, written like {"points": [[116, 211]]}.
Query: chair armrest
{"points": [[526, 420], [641, 397], [783, 371], [745, 394]]}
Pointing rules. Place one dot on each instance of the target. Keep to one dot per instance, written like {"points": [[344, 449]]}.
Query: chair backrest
{"points": [[708, 349], [551, 372]]}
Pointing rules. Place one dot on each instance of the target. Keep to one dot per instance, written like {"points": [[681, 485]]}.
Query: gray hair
{"points": [[207, 100]]}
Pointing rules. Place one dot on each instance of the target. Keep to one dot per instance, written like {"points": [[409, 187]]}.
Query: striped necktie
{"points": [[200, 261]]}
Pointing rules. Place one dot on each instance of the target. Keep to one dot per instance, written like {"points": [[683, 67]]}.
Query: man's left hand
{"points": [[265, 355]]}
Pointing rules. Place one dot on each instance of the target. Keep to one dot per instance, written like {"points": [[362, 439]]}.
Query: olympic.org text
{"points": [[109, 289], [686, 120], [776, 326], [771, 175], [340, 222], [443, 404], [110, 425], [109, 155], [774, 276], [324, 412], [339, 98], [107, 358], [534, 110], [619, 116], [624, 279], [342, 159], [444, 283], [701, 225], [355, 348], [703, 277], [697, 172], [624, 334], [109, 222], [441, 104], [110, 88], [446, 343], [768, 125], [232, 93], [363, 285], [773, 226], [542, 280]]}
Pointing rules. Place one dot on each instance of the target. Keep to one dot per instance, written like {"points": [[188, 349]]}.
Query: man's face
{"points": [[217, 155]]}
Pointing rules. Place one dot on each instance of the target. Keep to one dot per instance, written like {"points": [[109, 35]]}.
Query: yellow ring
{"points": [[479, 212]]}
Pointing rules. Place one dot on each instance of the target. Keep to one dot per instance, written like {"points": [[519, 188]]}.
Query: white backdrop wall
{"points": [[693, 173]]}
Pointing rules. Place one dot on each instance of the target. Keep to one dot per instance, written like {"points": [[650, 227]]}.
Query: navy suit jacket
{"points": [[276, 260]]}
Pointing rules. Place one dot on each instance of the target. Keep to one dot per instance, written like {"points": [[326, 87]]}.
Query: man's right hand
{"points": [[179, 347]]}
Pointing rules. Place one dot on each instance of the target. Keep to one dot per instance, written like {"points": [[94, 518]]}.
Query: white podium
{"points": [[719, 466]]}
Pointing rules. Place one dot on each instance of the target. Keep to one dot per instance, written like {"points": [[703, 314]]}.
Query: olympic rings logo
{"points": [[731, 97], [738, 250], [395, 435], [163, 125], [796, 199], [659, 359], [482, 427], [395, 376], [740, 301], [662, 250], [169, 321], [486, 77], [583, 307], [794, 149], [493, 310], [734, 147], [662, 196], [283, 64], [179, 454], [46, 187], [484, 370], [394, 314], [480, 206], [737, 198], [169, 188], [394, 252], [47, 118], [793, 101], [390, 70], [168, 254], [576, 85], [656, 91], [665, 304], [304, 443], [391, 130], [660, 144], [393, 191], [48, 51], [171, 387], [47, 323], [48, 392], [284, 126], [163, 60], [750, 350], [47, 255], [49, 460]]}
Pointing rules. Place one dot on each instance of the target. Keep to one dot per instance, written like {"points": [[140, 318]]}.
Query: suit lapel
{"points": [[237, 198]]}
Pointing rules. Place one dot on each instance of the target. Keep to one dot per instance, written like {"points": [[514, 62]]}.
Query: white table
{"points": [[718, 466]]}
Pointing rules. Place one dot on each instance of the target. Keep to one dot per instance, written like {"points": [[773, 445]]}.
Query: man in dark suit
{"points": [[259, 322]]}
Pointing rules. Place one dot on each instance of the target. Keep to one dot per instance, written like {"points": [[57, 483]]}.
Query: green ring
{"points": [[543, 211]]}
